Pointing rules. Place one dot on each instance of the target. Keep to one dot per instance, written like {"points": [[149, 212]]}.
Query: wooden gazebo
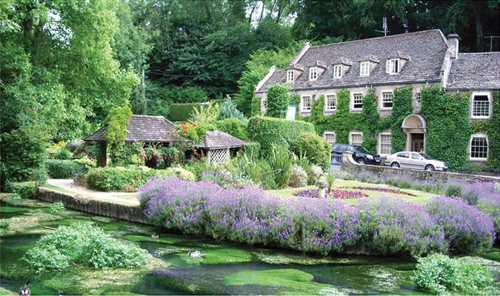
{"points": [[218, 144], [141, 128]]}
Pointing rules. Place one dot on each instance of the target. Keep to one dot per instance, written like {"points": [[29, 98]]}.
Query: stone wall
{"points": [[93, 206], [349, 164]]}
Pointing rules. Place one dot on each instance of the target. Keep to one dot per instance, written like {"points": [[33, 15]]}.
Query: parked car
{"points": [[415, 160], [359, 153]]}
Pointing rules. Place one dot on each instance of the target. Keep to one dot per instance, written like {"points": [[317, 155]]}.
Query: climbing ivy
{"points": [[116, 133], [278, 100], [317, 118], [448, 127], [401, 108], [494, 132], [370, 119]]}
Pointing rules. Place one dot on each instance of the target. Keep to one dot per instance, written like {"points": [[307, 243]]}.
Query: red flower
{"points": [[194, 125], [183, 123], [256, 135], [196, 154], [192, 147], [186, 132], [165, 137]]}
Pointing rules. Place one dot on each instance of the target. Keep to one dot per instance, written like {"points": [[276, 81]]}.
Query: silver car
{"points": [[415, 160]]}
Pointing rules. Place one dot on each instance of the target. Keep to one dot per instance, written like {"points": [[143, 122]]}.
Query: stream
{"points": [[222, 268]]}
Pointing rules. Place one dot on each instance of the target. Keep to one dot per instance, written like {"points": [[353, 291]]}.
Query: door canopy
{"points": [[414, 121]]}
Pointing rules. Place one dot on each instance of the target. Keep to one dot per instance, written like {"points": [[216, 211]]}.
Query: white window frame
{"points": [[264, 106], [387, 97], [313, 73], [473, 105], [382, 145], [303, 103], [337, 71], [393, 66], [364, 69], [328, 107], [327, 134], [474, 158], [351, 138], [290, 76], [354, 95]]}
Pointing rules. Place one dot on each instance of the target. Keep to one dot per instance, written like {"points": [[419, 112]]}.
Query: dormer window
{"points": [[392, 66], [313, 73], [289, 76], [337, 71], [364, 69]]}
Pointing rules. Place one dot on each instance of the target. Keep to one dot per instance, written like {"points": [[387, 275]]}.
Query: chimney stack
{"points": [[453, 42]]}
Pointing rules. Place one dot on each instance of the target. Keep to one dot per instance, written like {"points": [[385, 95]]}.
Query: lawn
{"points": [[420, 196]]}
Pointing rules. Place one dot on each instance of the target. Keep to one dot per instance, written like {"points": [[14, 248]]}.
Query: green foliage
{"points": [[439, 274], [83, 244], [370, 121], [204, 114], [183, 112], [23, 190], [64, 169], [317, 149], [228, 110], [39, 176], [233, 126], [330, 178], [128, 179], [278, 100], [314, 173], [494, 132], [22, 151], [255, 108], [343, 121], [283, 132], [281, 161], [116, 132], [4, 223], [4, 176], [317, 118], [252, 150], [448, 128], [62, 154], [401, 108], [267, 175], [56, 207]]}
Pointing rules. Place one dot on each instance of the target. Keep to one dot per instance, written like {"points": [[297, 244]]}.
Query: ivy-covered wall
{"points": [[448, 126]]}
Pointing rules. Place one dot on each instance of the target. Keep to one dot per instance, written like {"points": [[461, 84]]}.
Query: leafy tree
{"points": [[278, 100]]}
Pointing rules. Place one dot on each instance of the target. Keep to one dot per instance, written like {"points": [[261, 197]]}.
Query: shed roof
{"points": [[142, 128], [479, 70], [218, 140], [424, 51]]}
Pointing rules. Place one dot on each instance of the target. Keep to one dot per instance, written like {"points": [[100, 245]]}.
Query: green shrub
{"points": [[316, 148], [314, 174], [252, 150], [182, 112], [233, 126], [128, 179], [4, 223], [64, 169], [23, 190], [283, 132], [255, 107], [453, 190], [267, 176], [62, 154], [278, 100], [83, 244], [39, 176], [438, 273], [281, 161], [298, 177], [228, 109], [3, 176], [56, 207]]}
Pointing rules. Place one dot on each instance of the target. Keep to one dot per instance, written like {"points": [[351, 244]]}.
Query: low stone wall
{"points": [[93, 206], [348, 163]]}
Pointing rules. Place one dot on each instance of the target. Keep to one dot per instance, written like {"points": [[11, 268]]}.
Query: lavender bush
{"points": [[397, 226], [466, 229], [489, 203]]}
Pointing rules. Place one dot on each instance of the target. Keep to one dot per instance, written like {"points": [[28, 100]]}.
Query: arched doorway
{"points": [[415, 128]]}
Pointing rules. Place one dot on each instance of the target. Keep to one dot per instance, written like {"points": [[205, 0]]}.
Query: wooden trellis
{"points": [[218, 156]]}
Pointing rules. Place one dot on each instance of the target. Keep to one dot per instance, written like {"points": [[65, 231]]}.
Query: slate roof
{"points": [[142, 128], [218, 139], [425, 50], [475, 71]]}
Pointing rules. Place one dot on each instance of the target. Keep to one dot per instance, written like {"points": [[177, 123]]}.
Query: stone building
{"points": [[420, 59]]}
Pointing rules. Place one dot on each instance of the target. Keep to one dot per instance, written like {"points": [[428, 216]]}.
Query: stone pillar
{"points": [[322, 185]]}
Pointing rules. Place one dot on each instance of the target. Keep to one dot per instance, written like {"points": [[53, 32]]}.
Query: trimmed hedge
{"points": [[64, 169], [233, 126], [317, 149], [283, 132], [182, 112], [128, 179]]}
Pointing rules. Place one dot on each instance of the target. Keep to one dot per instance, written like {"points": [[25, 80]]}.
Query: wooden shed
{"points": [[218, 144], [141, 128]]}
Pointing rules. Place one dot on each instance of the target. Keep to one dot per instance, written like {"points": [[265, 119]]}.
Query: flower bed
{"points": [[336, 194], [385, 190], [252, 216]]}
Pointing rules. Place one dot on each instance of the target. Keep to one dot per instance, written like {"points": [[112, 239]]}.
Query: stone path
{"points": [[121, 197]]}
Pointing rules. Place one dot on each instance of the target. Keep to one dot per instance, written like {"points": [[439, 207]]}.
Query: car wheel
{"points": [[429, 167], [361, 161], [395, 165]]}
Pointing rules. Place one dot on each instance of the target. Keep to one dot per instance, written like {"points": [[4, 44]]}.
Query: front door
{"points": [[417, 142]]}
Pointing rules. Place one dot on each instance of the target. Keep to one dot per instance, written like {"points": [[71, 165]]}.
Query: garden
{"points": [[266, 196]]}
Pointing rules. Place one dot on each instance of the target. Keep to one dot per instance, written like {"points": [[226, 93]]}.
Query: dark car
{"points": [[359, 153]]}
